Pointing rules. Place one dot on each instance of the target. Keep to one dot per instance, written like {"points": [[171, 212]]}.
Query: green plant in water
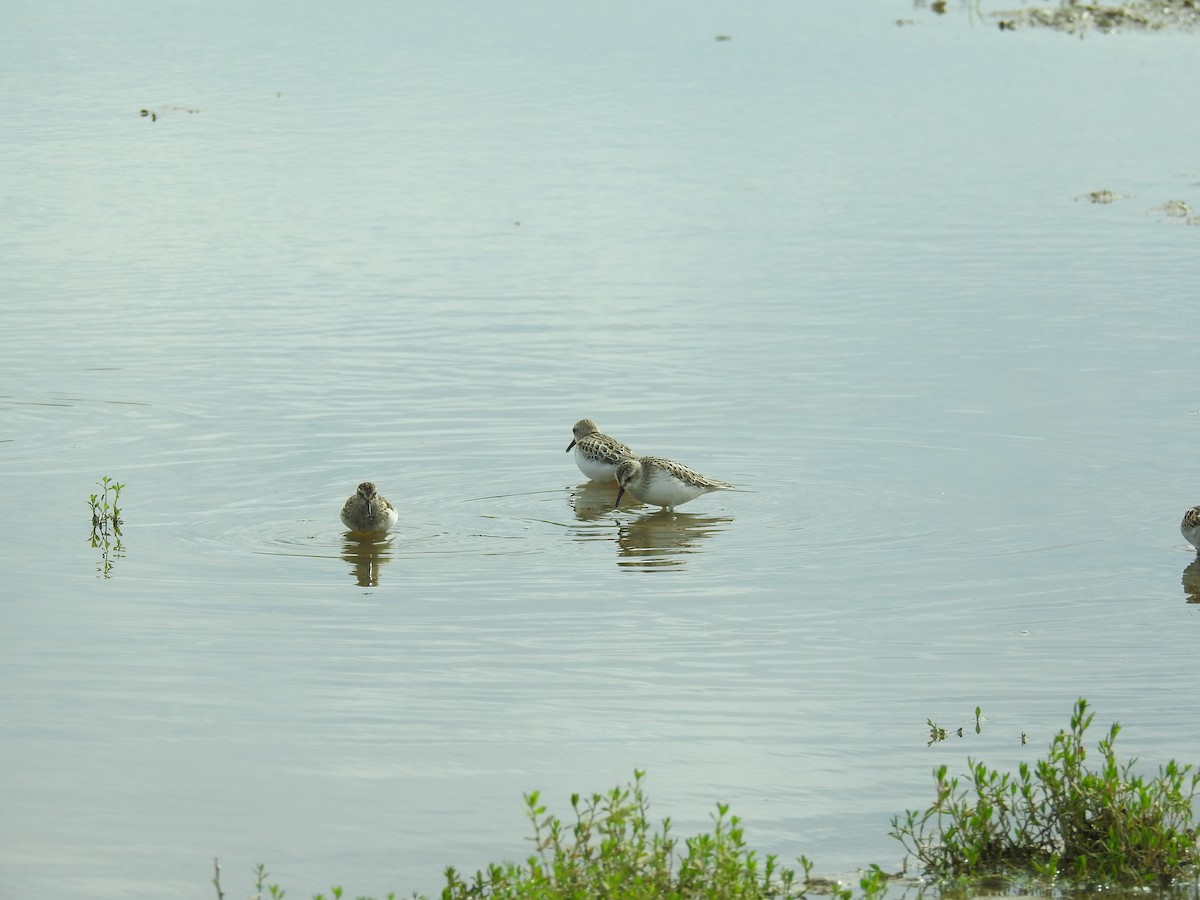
{"points": [[106, 524], [106, 514], [260, 884], [613, 850], [1061, 817], [936, 732]]}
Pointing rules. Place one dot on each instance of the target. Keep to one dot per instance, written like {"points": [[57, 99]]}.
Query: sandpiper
{"points": [[367, 511], [597, 454], [663, 482], [1190, 527]]}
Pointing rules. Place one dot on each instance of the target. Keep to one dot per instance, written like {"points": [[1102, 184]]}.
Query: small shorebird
{"points": [[1190, 527], [597, 454], [368, 512], [663, 482]]}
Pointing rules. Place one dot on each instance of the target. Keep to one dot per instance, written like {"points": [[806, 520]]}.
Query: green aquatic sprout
{"points": [[936, 732], [106, 524], [106, 514]]}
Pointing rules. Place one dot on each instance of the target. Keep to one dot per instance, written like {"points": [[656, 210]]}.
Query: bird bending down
{"points": [[368, 512], [1190, 527], [663, 482], [597, 454]]}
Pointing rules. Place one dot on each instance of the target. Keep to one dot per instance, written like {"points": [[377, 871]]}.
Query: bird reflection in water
{"points": [[653, 540], [367, 556], [594, 500], [1191, 581], [663, 539]]}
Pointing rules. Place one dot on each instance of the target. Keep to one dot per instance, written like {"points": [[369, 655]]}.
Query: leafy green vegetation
{"points": [[612, 850], [1060, 819], [106, 524], [1098, 825]]}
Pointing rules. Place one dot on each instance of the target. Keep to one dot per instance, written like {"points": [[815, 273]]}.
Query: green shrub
{"points": [[1060, 818], [611, 850]]}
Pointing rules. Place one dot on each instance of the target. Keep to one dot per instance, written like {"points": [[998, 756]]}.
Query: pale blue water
{"points": [[835, 261]]}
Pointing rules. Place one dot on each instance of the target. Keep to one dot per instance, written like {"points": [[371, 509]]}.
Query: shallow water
{"points": [[837, 262]]}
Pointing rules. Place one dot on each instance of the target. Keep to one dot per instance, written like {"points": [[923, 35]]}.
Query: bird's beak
{"points": [[620, 492], [569, 446]]}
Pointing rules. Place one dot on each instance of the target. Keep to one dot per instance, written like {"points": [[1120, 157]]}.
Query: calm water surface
{"points": [[835, 261]]}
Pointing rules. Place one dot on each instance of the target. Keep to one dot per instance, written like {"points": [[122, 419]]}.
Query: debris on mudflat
{"points": [[1101, 196], [1076, 17], [153, 114], [1172, 209]]}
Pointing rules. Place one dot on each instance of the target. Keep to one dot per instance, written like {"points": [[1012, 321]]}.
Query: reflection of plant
{"points": [[938, 733], [106, 524]]}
